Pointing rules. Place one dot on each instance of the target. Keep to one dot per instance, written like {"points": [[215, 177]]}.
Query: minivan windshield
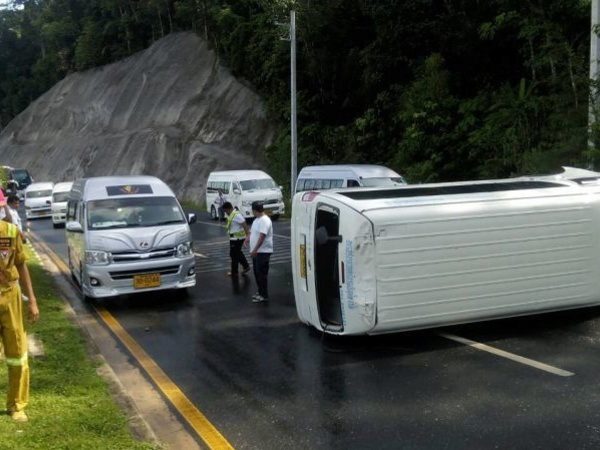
{"points": [[39, 194], [60, 197], [129, 212], [253, 185], [384, 181]]}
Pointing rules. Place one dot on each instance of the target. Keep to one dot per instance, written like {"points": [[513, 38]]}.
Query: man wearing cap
{"points": [[237, 229], [14, 276], [261, 248]]}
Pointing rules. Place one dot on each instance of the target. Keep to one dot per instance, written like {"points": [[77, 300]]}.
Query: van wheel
{"points": [[55, 225], [275, 217], [213, 213], [181, 294]]}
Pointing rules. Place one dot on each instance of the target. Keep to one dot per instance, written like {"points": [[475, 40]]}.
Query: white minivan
{"points": [[319, 178], [38, 200], [128, 234], [241, 188], [60, 197]]}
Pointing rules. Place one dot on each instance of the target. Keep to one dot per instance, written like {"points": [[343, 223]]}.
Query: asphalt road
{"points": [[267, 381]]}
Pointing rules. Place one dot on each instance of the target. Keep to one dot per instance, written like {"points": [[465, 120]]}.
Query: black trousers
{"points": [[261, 272], [237, 256]]}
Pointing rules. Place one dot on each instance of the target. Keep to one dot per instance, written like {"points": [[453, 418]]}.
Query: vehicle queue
{"points": [[370, 254]]}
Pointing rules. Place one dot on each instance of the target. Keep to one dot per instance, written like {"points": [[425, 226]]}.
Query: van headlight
{"points": [[97, 258], [246, 203], [184, 249]]}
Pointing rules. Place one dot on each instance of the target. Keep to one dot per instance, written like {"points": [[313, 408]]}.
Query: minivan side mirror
{"points": [[74, 227], [192, 218]]}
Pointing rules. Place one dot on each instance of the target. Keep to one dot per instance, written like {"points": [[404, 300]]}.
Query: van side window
{"points": [[310, 184], [353, 183], [71, 211], [300, 185], [337, 184]]}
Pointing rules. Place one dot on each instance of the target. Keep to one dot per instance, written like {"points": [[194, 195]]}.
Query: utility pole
{"points": [[594, 57], [294, 129]]}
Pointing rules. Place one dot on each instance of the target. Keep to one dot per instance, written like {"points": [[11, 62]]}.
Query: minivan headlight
{"points": [[184, 249], [246, 203], [97, 258]]}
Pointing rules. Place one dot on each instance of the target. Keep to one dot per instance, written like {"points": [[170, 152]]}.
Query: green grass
{"points": [[70, 405]]}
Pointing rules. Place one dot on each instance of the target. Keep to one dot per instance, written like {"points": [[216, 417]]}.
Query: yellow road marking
{"points": [[198, 421]]}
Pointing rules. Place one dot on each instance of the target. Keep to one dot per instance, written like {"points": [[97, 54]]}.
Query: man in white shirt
{"points": [[261, 248], [237, 229]]}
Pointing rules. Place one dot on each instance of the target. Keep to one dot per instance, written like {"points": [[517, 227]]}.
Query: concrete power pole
{"points": [[594, 58], [294, 129]]}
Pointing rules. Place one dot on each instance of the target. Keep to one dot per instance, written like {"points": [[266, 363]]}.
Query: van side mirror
{"points": [[74, 227], [48, 202], [323, 237], [192, 218]]}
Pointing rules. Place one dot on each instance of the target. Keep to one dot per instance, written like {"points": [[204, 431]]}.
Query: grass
{"points": [[70, 404], [190, 205]]}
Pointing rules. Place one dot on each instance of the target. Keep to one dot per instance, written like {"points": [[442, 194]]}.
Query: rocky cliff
{"points": [[171, 111]]}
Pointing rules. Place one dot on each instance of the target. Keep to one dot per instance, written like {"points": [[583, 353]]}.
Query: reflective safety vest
{"points": [[238, 234]]}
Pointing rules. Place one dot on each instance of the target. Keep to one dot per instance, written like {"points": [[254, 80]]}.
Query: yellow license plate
{"points": [[145, 281], [303, 261]]}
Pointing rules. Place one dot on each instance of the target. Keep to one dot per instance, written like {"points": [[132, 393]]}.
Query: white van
{"points": [[128, 234], [60, 197], [242, 188], [384, 260], [318, 178], [38, 200]]}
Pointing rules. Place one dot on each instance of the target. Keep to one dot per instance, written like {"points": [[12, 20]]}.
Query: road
{"points": [[267, 381]]}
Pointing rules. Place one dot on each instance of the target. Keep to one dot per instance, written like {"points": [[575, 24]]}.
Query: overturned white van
{"points": [[384, 260]]}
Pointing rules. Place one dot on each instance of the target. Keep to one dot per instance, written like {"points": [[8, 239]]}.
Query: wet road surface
{"points": [[267, 381]]}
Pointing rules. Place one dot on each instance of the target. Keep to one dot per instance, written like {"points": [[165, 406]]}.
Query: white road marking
{"points": [[520, 359]]}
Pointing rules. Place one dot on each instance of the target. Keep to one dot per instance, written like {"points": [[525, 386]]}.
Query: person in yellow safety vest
{"points": [[237, 229], [13, 271]]}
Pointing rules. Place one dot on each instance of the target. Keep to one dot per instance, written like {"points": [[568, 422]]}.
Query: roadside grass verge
{"points": [[70, 404]]}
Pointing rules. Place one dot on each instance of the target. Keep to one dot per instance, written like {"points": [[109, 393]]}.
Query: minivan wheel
{"points": [[213, 213]]}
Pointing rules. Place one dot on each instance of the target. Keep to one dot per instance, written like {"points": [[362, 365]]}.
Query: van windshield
{"points": [[39, 194], [253, 185], [381, 182], [133, 212], [21, 176], [60, 197]]}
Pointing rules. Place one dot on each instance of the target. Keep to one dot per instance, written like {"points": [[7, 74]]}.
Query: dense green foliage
{"points": [[438, 90]]}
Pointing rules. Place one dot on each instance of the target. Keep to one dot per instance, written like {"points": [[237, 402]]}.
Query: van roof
{"points": [[240, 174], [98, 188], [40, 186], [63, 186], [361, 170]]}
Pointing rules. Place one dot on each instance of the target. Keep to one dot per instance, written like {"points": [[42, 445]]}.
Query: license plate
{"points": [[303, 261], [145, 281]]}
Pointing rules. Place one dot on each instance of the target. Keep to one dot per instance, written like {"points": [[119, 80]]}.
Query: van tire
{"points": [[213, 213], [275, 217], [55, 225], [182, 294]]}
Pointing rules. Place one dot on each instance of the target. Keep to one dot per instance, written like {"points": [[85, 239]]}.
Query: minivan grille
{"points": [[271, 202], [128, 274], [136, 256]]}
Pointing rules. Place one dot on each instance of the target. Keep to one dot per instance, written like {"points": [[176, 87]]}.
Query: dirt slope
{"points": [[170, 111]]}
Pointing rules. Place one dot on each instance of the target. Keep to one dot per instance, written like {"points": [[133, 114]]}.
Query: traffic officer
{"points": [[237, 229], [13, 272]]}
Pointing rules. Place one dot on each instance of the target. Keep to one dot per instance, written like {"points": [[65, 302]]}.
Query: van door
{"points": [[235, 194], [75, 241], [326, 257]]}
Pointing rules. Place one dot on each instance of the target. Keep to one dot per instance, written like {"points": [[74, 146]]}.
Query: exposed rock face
{"points": [[170, 111]]}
